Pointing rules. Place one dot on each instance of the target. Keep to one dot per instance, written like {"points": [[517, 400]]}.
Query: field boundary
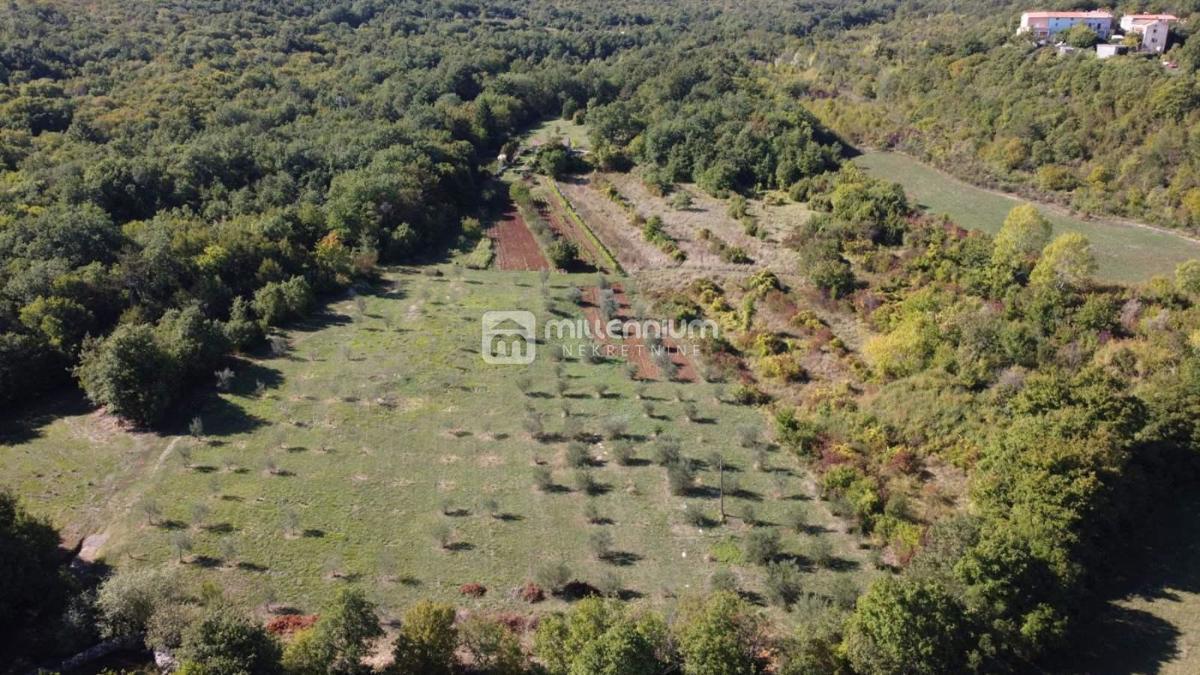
{"points": [[611, 260]]}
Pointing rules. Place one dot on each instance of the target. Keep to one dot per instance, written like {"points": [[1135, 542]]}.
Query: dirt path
{"points": [[516, 249]]}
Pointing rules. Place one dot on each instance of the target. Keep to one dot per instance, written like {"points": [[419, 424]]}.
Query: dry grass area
{"points": [[708, 213]]}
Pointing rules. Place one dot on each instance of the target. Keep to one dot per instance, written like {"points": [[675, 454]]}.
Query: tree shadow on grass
{"points": [[621, 558], [25, 423], [1159, 568]]}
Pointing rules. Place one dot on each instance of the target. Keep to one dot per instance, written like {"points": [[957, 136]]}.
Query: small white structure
{"points": [[1106, 50], [1153, 28]]}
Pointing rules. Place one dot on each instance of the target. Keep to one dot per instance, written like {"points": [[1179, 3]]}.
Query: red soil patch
{"points": [[516, 249], [290, 623], [634, 350]]}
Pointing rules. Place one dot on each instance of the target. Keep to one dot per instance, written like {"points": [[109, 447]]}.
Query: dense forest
{"points": [[180, 177]]}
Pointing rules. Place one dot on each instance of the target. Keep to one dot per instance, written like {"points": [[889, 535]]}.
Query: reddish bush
{"points": [[473, 590], [290, 623], [531, 592], [903, 461], [514, 622]]}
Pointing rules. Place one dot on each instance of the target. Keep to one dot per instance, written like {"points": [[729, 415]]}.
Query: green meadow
{"points": [[1124, 253], [373, 445]]}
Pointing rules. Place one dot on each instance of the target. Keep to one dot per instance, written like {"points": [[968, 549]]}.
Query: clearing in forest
{"points": [[1125, 252], [380, 448]]}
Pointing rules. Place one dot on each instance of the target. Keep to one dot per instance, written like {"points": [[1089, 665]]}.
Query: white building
{"points": [[1106, 50], [1044, 25], [1153, 29]]}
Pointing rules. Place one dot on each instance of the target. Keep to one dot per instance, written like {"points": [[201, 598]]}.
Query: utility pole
{"points": [[721, 469]]}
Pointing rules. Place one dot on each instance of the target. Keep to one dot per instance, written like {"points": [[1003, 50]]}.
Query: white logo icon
{"points": [[509, 338]]}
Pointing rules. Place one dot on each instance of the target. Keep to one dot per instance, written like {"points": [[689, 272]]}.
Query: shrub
{"points": [[723, 580], [542, 478], [762, 546], [610, 584], [796, 518], [695, 517], [491, 646], [783, 583], [586, 483], [128, 599], [666, 451], [553, 576], [614, 427], [577, 455], [532, 593], [562, 253], [820, 551], [680, 477], [225, 643], [426, 641], [745, 394], [473, 590], [623, 453], [600, 542]]}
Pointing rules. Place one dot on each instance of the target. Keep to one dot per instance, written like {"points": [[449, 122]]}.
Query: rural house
{"points": [[1152, 28], [1047, 24]]}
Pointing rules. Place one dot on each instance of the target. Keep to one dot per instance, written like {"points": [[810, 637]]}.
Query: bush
{"points": [[623, 453], [586, 483], [542, 478], [746, 394], [532, 593], [553, 576], [762, 546], [600, 542], [491, 646], [577, 455], [129, 599], [562, 253], [783, 583], [129, 373], [426, 641], [225, 643], [680, 477], [666, 451], [473, 590]]}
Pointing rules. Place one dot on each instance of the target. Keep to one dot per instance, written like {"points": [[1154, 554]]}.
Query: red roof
{"points": [[1153, 17]]}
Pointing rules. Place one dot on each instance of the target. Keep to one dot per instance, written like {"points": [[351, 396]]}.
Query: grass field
{"points": [[1124, 253], [343, 459], [552, 129]]}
